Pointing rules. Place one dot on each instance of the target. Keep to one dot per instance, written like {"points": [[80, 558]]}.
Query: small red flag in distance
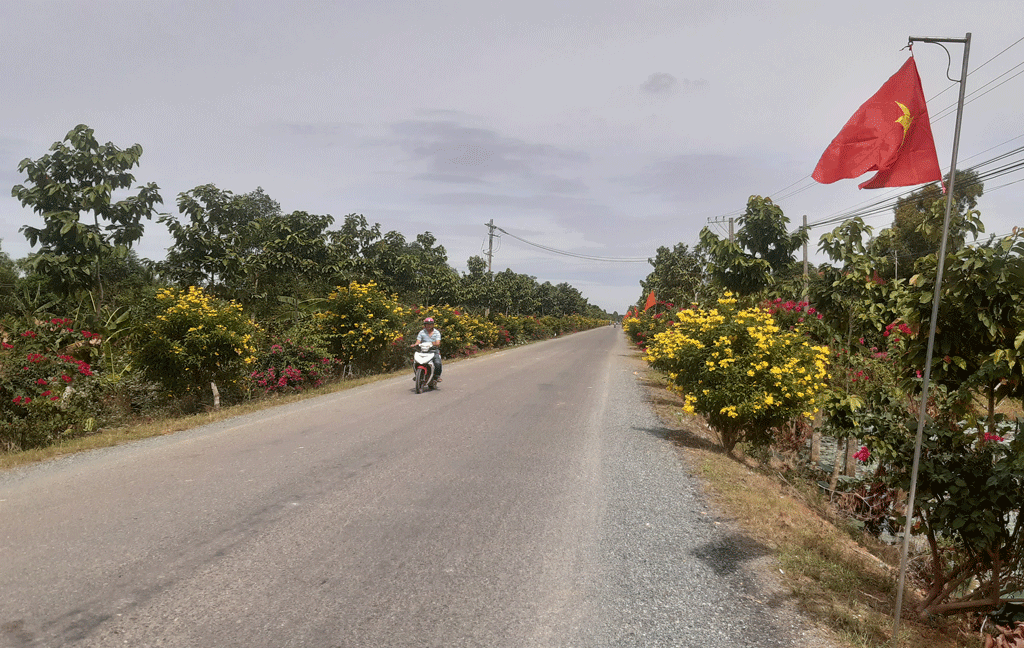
{"points": [[651, 301], [890, 134]]}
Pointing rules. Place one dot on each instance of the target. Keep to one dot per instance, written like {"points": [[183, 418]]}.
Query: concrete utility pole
{"points": [[722, 220], [490, 242], [806, 289]]}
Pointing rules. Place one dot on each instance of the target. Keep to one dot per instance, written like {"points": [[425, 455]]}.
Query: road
{"points": [[531, 501]]}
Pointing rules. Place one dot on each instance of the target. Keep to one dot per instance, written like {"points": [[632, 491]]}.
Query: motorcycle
{"points": [[423, 367]]}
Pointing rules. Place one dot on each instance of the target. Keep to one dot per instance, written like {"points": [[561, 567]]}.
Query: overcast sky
{"points": [[599, 128]]}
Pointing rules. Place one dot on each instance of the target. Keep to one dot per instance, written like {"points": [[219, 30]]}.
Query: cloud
{"points": [[316, 135], [663, 85], [449, 148], [693, 176], [659, 83]]}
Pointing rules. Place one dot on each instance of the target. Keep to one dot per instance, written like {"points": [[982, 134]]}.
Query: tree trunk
{"points": [[836, 467], [851, 461], [992, 409]]}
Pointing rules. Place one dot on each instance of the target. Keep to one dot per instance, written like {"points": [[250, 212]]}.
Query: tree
{"points": [[8, 284], [243, 247], [979, 333], [435, 281], [680, 275], [763, 249], [916, 229], [79, 176]]}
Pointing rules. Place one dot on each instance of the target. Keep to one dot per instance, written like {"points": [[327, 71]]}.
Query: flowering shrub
{"points": [[194, 339], [740, 370], [642, 326], [523, 329], [866, 397], [287, 366], [970, 489], [363, 326], [43, 371]]}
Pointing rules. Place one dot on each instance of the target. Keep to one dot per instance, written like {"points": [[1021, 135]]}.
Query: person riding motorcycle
{"points": [[432, 335]]}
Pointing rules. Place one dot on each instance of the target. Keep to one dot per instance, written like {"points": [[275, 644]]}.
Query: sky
{"points": [[598, 128]]}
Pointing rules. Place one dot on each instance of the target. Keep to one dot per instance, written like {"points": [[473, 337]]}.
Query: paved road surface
{"points": [[530, 502]]}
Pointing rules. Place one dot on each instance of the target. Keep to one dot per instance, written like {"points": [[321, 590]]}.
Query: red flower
{"points": [[993, 437], [66, 378], [7, 346], [41, 381]]}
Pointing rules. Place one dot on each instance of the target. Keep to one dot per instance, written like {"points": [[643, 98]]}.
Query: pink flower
{"points": [[863, 454], [993, 437]]}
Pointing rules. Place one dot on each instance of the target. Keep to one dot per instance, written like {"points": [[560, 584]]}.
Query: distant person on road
{"points": [[432, 335]]}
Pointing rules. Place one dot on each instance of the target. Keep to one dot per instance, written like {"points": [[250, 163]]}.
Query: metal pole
{"points": [[936, 297], [730, 231]]}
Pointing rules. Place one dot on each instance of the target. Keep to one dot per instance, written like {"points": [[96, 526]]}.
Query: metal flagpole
{"points": [[931, 326]]}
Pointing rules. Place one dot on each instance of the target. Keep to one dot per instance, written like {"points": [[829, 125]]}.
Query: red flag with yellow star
{"points": [[890, 134]]}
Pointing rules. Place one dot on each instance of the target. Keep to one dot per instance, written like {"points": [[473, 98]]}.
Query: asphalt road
{"points": [[531, 501]]}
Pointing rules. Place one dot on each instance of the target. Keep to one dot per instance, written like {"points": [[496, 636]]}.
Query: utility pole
{"points": [[806, 289], [490, 243], [722, 220]]}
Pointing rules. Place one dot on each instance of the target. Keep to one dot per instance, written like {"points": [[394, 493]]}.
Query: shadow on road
{"points": [[726, 555]]}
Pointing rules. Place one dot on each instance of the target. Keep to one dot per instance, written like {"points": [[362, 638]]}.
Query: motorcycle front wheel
{"points": [[421, 379]]}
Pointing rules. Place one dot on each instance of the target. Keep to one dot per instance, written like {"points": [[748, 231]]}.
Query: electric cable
{"points": [[588, 257]]}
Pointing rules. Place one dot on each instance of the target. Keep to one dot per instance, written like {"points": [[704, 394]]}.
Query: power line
{"points": [[973, 95], [574, 254], [953, 85]]}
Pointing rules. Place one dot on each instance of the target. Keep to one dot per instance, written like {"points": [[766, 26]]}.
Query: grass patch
{"points": [[842, 579]]}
